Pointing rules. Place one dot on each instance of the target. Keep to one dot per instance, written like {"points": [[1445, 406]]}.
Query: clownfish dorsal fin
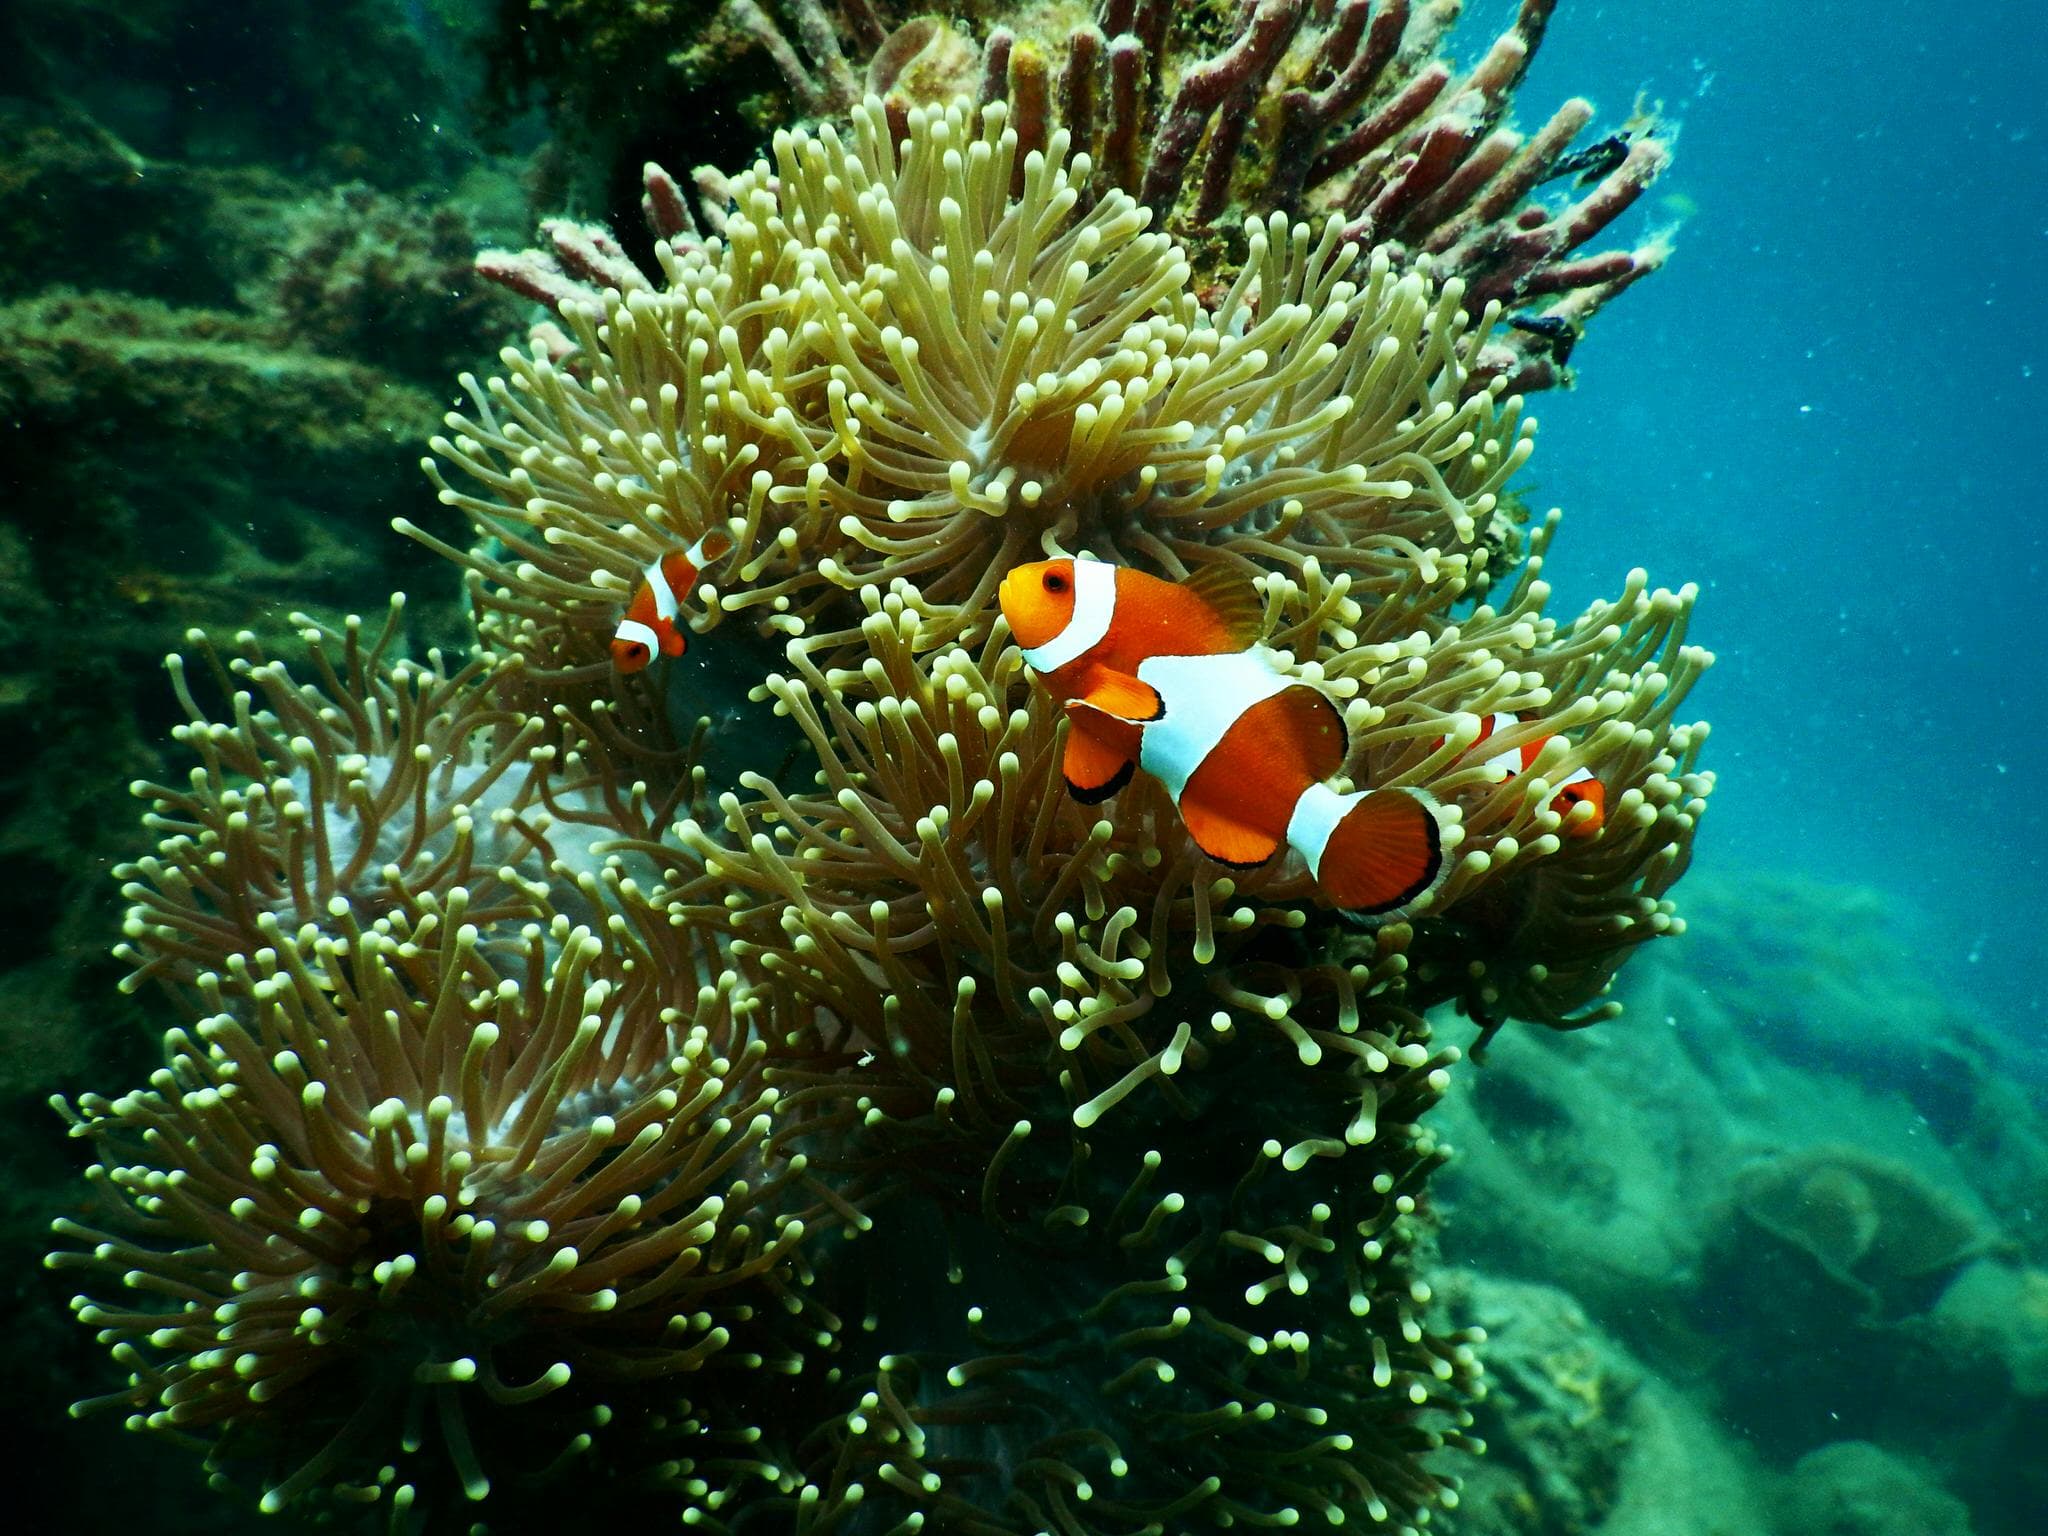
{"points": [[1227, 592], [1119, 695]]}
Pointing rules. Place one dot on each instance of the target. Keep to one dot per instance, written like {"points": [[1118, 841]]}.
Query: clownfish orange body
{"points": [[1170, 677], [1580, 787], [653, 622]]}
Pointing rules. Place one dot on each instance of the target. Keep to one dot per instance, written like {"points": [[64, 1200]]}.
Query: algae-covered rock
{"points": [[1799, 1182], [1582, 1440], [1557, 1411], [1594, 1149], [215, 365], [1869, 1223], [1853, 1488]]}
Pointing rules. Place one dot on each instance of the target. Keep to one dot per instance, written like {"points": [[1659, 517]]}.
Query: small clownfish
{"points": [[1170, 677], [653, 621], [1580, 787]]}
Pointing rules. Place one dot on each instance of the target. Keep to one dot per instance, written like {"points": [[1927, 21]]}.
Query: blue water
{"points": [[1828, 409]]}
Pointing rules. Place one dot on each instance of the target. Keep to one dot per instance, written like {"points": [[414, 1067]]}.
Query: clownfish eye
{"points": [[1055, 582], [637, 651]]}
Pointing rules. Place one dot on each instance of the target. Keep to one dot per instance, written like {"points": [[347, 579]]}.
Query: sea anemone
{"points": [[891, 367], [388, 1180], [386, 783]]}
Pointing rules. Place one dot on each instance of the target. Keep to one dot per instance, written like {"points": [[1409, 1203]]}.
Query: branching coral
{"points": [[1136, 1143]]}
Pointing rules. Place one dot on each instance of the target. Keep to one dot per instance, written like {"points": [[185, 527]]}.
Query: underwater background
{"points": [[1767, 1253]]}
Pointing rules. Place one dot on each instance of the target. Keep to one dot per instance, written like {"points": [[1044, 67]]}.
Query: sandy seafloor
{"points": [[1767, 1255]]}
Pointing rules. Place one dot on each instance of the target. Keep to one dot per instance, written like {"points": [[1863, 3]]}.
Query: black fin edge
{"points": [[1103, 791]]}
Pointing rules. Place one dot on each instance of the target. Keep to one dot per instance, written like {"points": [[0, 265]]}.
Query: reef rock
{"points": [[1853, 1488], [1997, 1314]]}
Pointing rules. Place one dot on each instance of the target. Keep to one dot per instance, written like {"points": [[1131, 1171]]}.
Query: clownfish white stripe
{"points": [[1502, 765], [1204, 697], [665, 604], [633, 631], [698, 555], [1094, 607], [1316, 815], [1579, 775]]}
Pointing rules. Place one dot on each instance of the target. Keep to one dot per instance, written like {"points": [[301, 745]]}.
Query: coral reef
{"points": [[1868, 1224], [1996, 1313], [1558, 1409], [208, 353], [543, 1060]]}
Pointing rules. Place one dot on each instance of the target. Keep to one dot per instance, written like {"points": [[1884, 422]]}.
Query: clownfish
{"points": [[1580, 787], [1170, 677], [653, 621]]}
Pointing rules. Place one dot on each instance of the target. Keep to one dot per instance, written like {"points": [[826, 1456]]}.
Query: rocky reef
{"points": [[222, 314], [235, 274], [1798, 1199]]}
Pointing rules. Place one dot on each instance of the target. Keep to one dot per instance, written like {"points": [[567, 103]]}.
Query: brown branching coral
{"points": [[1303, 107]]}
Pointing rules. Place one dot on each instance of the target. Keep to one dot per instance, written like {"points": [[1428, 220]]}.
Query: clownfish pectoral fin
{"points": [[1234, 602], [1121, 696], [1374, 853], [673, 640], [1100, 756]]}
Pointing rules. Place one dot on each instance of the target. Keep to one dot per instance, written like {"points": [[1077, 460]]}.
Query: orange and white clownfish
{"points": [[653, 622], [1580, 787], [1170, 677]]}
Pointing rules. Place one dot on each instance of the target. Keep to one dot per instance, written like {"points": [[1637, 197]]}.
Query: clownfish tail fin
{"points": [[1375, 852]]}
